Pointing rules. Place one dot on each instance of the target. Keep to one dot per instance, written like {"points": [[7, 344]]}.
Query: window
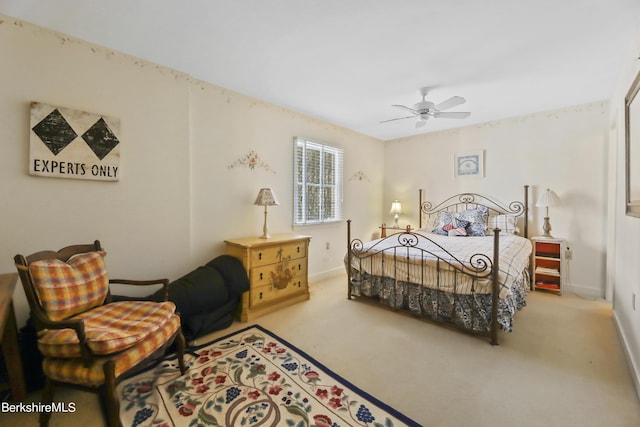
{"points": [[318, 183]]}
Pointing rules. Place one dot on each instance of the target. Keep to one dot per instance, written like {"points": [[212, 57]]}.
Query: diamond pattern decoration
{"points": [[55, 132], [100, 139], [69, 143]]}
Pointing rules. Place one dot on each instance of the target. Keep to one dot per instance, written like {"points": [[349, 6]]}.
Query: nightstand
{"points": [[549, 267], [277, 269]]}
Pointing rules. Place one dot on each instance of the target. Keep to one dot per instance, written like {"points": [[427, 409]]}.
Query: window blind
{"points": [[317, 182]]}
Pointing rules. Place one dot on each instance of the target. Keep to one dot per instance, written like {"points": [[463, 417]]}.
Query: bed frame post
{"points": [[495, 286], [526, 211], [348, 259], [420, 209]]}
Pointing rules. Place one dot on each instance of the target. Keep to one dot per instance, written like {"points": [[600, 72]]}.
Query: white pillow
{"points": [[506, 223]]}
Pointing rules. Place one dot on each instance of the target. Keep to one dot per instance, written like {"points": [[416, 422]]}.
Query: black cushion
{"points": [[234, 273], [206, 297], [202, 289], [208, 321]]}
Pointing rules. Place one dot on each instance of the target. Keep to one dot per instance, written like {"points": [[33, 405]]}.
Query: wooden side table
{"points": [[9, 331]]}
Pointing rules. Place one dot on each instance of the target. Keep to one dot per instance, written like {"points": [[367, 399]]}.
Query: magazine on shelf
{"points": [[547, 285], [546, 270]]}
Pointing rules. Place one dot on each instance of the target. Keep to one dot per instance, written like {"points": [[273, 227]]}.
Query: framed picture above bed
{"points": [[632, 148], [469, 164]]}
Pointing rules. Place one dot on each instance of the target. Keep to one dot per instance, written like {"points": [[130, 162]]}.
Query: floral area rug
{"points": [[250, 378]]}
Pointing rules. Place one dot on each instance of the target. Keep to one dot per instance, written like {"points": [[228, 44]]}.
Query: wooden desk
{"points": [[9, 332]]}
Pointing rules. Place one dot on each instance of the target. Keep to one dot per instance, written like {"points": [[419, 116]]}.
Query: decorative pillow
{"points": [[506, 223], [429, 223], [443, 218], [68, 288], [477, 219], [446, 222], [460, 231]]}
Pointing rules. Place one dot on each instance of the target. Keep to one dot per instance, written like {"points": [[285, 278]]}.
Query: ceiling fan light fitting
{"points": [[424, 109]]}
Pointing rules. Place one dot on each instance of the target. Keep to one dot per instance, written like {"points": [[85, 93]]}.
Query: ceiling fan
{"points": [[424, 110]]}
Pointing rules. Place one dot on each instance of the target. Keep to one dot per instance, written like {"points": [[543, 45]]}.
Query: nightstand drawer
{"points": [[273, 254], [268, 293], [278, 275]]}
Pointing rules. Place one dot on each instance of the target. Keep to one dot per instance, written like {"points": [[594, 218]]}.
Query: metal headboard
{"points": [[463, 201]]}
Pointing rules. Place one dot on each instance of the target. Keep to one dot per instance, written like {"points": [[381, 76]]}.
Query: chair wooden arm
{"points": [[163, 282], [76, 324]]}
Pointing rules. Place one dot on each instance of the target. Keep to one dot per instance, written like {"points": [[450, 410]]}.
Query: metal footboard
{"points": [[408, 271]]}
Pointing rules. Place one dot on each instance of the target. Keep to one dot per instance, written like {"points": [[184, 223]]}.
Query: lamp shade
{"points": [[396, 208], [548, 198], [266, 198]]}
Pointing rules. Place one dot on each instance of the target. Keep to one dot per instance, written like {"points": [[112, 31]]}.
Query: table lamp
{"points": [[548, 198], [265, 198], [396, 211]]}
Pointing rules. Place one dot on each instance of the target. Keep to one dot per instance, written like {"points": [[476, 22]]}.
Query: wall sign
{"points": [[67, 143]]}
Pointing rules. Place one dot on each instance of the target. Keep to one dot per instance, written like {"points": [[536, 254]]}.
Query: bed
{"points": [[467, 265]]}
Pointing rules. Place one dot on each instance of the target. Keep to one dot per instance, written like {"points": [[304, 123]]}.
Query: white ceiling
{"points": [[348, 61]]}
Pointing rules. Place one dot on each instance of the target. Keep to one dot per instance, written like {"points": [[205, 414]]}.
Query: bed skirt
{"points": [[470, 311]]}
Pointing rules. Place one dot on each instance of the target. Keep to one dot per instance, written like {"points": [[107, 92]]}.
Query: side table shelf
{"points": [[549, 269]]}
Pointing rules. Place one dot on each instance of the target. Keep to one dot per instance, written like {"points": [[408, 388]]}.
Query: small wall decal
{"points": [[252, 161], [360, 176], [67, 143]]}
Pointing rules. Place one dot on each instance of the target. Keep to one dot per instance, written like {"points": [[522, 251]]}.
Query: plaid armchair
{"points": [[88, 341]]}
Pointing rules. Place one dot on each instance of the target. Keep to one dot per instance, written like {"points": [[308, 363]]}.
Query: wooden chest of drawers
{"points": [[277, 269]]}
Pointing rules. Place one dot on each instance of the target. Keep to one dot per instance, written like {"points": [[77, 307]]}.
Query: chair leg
{"points": [[111, 398], [180, 348], [47, 398]]}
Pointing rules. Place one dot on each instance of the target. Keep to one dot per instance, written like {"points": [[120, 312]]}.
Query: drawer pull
{"points": [[260, 256], [260, 295], [260, 278], [299, 267], [298, 249]]}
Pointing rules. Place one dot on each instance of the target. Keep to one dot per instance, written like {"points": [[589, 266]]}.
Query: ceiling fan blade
{"points": [[399, 118], [421, 123], [450, 103], [452, 115], [405, 108]]}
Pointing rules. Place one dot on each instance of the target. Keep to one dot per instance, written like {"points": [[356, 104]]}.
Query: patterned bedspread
{"points": [[435, 261], [412, 278]]}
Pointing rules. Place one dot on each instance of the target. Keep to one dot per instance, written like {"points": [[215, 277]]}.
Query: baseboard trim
{"points": [[329, 274], [633, 367], [584, 292]]}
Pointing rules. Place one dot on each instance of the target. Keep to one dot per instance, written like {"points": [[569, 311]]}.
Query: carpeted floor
{"points": [[562, 366]]}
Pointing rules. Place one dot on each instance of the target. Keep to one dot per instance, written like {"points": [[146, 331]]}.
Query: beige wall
{"points": [[177, 199], [564, 150], [624, 247]]}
